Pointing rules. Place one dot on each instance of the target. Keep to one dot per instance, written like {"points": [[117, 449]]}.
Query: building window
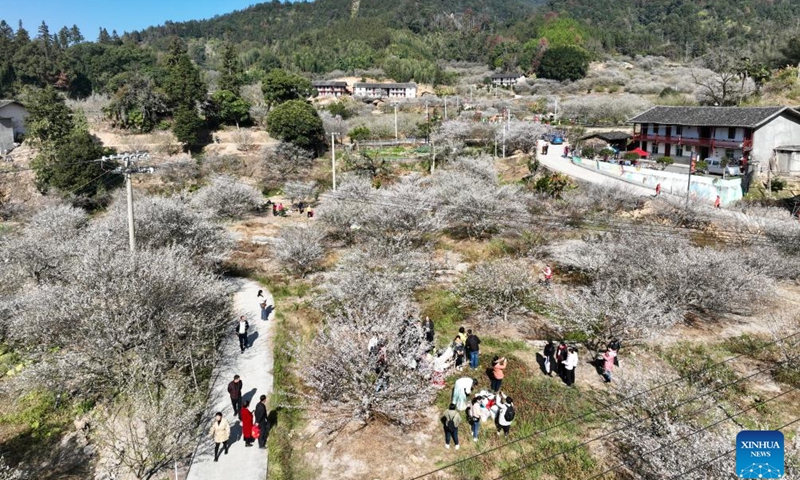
{"points": [[653, 128], [732, 133], [728, 153], [678, 130]]}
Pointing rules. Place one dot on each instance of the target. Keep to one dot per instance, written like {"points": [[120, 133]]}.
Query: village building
{"points": [[12, 124], [615, 139], [385, 90], [506, 79], [331, 88], [747, 134]]}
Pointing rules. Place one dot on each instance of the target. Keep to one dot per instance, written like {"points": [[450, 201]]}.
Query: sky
{"points": [[119, 15]]}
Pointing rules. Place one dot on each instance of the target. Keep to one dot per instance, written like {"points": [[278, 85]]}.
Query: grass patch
{"points": [[446, 311], [699, 364], [757, 348]]}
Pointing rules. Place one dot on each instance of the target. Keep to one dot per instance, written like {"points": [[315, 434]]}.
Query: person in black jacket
{"points": [[235, 391], [473, 347], [550, 357], [262, 419]]}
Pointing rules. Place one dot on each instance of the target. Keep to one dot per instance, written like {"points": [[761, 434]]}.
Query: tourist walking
{"points": [[472, 345], [548, 275], [261, 418], [458, 352], [498, 366], [609, 357], [220, 431], [241, 330], [246, 416], [549, 358], [461, 392], [235, 391], [451, 420], [474, 415], [505, 413], [570, 365], [262, 303]]}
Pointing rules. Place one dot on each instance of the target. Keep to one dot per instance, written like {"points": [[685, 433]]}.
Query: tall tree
{"points": [[75, 35], [49, 118], [280, 86], [104, 38], [297, 122], [231, 73], [183, 85]]}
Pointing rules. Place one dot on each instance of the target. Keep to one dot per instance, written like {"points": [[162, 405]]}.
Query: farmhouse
{"points": [[506, 79], [617, 140], [330, 89], [749, 133], [389, 90], [12, 124]]}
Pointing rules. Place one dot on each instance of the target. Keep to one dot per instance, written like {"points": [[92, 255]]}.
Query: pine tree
{"points": [[75, 35], [231, 73], [104, 38], [183, 86]]}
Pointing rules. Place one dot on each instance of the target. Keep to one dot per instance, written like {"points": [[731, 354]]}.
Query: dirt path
{"points": [[255, 368]]}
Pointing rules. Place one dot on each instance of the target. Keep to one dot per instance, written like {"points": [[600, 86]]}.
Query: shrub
{"points": [[497, 288], [299, 249], [360, 134], [665, 161], [226, 198], [564, 63], [296, 122], [631, 157]]}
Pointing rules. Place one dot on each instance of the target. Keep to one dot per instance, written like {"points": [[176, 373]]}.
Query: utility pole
{"points": [[692, 163], [396, 137], [427, 116], [433, 161], [129, 169], [445, 108], [456, 105], [471, 99], [333, 158]]}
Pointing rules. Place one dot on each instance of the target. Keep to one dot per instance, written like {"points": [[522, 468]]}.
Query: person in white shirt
{"points": [[241, 330], [569, 366], [504, 418]]}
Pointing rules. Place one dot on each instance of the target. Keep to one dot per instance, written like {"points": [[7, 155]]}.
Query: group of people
{"points": [[485, 405], [563, 360], [278, 210], [466, 348], [255, 424]]}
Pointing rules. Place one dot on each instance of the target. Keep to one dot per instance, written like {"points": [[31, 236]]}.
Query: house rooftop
{"points": [[385, 85], [327, 83], [5, 103], [614, 136], [749, 117]]}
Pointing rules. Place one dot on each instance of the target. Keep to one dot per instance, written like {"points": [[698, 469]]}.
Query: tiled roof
{"points": [[711, 116], [609, 136], [5, 103], [328, 84], [385, 85]]}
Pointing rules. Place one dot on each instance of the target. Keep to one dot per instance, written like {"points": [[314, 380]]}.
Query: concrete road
{"points": [[554, 161], [255, 368]]}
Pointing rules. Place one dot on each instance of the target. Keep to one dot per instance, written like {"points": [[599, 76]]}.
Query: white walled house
{"points": [[385, 90], [506, 79], [748, 133], [330, 88], [12, 123]]}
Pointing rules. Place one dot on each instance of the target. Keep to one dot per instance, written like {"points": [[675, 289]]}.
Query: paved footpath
{"points": [[555, 161], [255, 368]]}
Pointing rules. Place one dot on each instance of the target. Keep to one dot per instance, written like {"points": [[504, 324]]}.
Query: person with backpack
{"points": [[458, 352], [497, 373], [474, 416], [569, 366], [473, 347], [609, 356], [549, 358], [451, 420], [505, 413]]}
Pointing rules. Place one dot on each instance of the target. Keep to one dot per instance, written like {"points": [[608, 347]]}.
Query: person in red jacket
{"points": [[247, 424]]}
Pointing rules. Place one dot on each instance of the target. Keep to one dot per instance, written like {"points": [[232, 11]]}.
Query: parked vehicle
{"points": [[556, 139], [715, 165]]}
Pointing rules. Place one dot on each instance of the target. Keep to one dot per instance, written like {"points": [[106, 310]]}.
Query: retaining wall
{"points": [[704, 188]]}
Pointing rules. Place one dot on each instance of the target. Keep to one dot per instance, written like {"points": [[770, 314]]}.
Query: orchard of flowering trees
{"points": [[135, 333]]}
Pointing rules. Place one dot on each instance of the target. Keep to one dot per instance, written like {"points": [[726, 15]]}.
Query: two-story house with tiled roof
{"points": [[385, 90], [330, 88], [751, 133]]}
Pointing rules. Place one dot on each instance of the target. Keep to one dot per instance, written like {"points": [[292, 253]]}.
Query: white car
{"points": [[714, 165]]}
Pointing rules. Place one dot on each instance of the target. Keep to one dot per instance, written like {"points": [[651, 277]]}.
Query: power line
{"points": [[594, 412], [725, 454], [699, 430]]}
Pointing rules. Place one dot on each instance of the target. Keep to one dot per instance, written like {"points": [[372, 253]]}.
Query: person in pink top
{"points": [[497, 373], [608, 363]]}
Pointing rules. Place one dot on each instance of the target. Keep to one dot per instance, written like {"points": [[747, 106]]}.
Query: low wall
{"points": [[705, 188]]}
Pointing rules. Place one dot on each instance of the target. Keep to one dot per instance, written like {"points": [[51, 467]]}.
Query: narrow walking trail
{"points": [[255, 368]]}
